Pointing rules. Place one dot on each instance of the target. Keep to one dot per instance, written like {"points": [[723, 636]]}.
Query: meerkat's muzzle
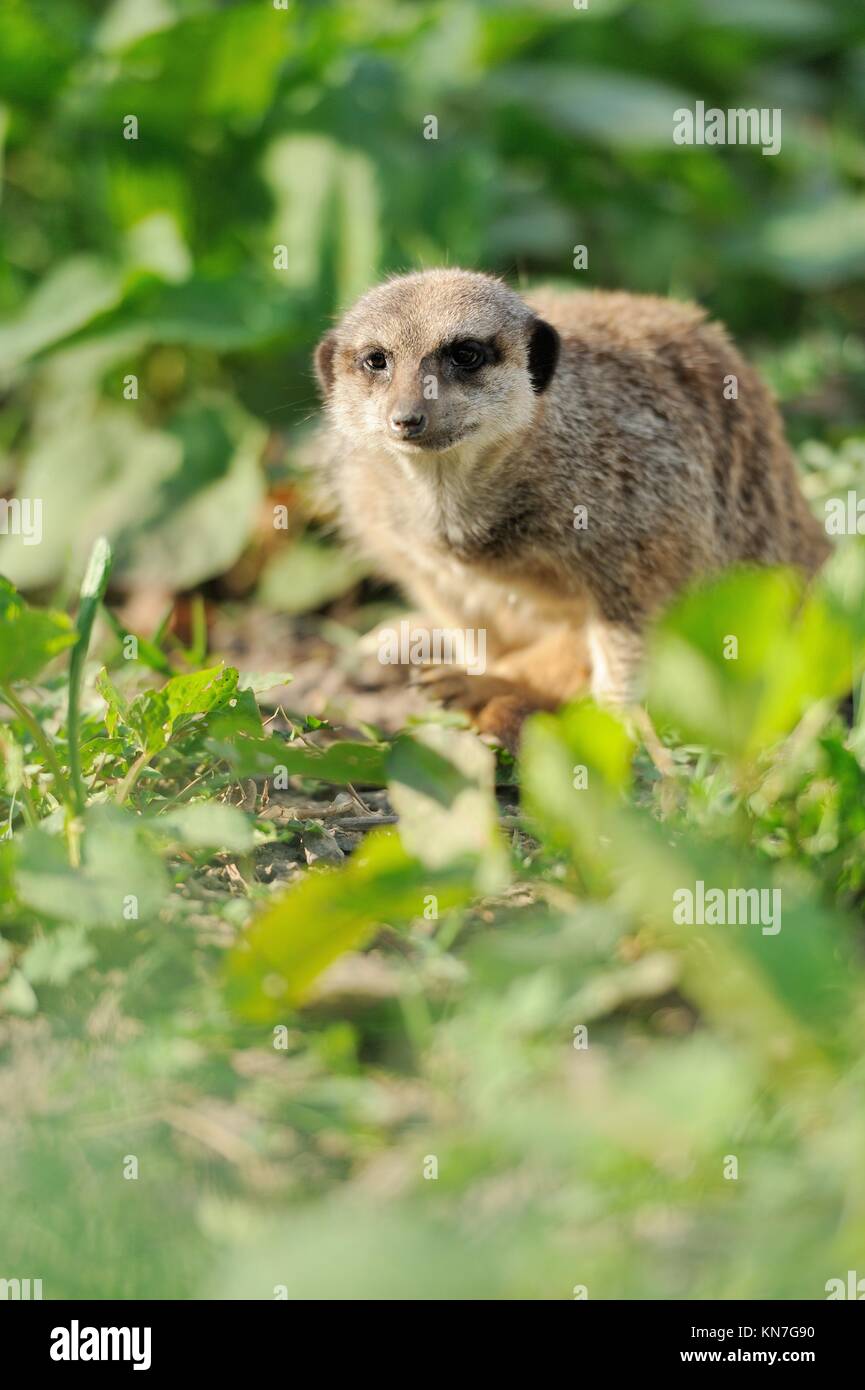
{"points": [[408, 423]]}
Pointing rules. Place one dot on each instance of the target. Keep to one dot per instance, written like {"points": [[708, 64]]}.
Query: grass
{"points": [[288, 1013]]}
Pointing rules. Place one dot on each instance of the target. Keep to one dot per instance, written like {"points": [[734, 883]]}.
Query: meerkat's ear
{"points": [[543, 353], [324, 362]]}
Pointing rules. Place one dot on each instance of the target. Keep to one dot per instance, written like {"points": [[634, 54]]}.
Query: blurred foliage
{"points": [[287, 1064], [303, 127], [532, 1062]]}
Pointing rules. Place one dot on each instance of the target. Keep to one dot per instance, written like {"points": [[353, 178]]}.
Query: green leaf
{"points": [[155, 715], [623, 109], [71, 296], [205, 825], [285, 950], [17, 996], [29, 637], [302, 576], [239, 720], [178, 503], [736, 663], [819, 243], [340, 762], [54, 958], [148, 652], [419, 763], [119, 882], [260, 681], [574, 765], [441, 783], [200, 693], [116, 711]]}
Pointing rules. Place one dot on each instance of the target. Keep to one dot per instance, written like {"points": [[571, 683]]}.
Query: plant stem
{"points": [[92, 590], [27, 803], [40, 738], [131, 777]]}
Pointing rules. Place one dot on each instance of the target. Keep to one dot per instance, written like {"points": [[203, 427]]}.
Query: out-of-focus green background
{"points": [[302, 126]]}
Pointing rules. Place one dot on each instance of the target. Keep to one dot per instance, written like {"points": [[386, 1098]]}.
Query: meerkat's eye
{"points": [[375, 361], [467, 356]]}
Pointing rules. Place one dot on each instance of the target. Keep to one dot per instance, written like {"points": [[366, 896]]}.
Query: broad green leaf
{"points": [[17, 996], [120, 881], [126, 21], [302, 576], [201, 692], [735, 664], [326, 211], [819, 243], [71, 296], [205, 825], [239, 721], [343, 761], [284, 951], [155, 715], [29, 637], [58, 955], [441, 783], [177, 503], [260, 681], [624, 109], [574, 765]]}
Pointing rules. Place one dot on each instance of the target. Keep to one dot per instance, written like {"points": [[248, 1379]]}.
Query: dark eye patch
{"points": [[468, 354]]}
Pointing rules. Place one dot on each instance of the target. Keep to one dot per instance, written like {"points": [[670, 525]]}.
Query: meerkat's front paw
{"points": [[454, 686], [498, 707], [377, 659]]}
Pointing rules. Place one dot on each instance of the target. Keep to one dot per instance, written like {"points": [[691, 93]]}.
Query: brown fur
{"points": [[475, 519]]}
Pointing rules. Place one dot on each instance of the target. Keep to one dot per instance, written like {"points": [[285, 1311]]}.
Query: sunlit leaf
{"points": [[29, 637], [285, 949]]}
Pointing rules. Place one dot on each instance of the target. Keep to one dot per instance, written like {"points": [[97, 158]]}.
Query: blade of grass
{"points": [[92, 589], [148, 651], [196, 653]]}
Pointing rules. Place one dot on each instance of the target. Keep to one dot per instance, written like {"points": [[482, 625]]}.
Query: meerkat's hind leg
{"points": [[557, 665], [617, 658], [660, 755], [616, 653]]}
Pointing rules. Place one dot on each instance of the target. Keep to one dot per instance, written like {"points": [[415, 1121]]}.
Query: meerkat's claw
{"points": [[498, 707], [454, 686]]}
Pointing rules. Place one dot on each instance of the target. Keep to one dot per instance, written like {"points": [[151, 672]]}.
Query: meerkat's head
{"points": [[443, 360]]}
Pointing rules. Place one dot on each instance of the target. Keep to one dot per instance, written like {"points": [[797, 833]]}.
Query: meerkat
{"points": [[551, 469]]}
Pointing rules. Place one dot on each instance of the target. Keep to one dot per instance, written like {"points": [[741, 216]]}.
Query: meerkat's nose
{"points": [[407, 424]]}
